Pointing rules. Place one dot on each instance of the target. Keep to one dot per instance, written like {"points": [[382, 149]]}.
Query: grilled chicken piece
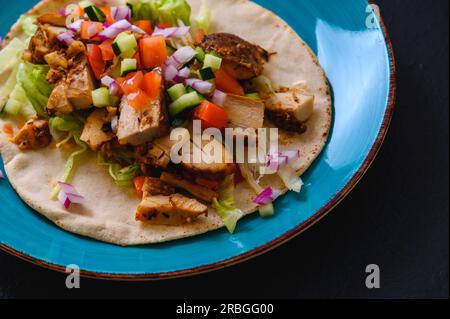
{"points": [[156, 153], [43, 42], [53, 19], [137, 127], [35, 134], [155, 186], [172, 210], [72, 93], [290, 110], [241, 59], [80, 86], [244, 112], [208, 168], [201, 192], [97, 129], [58, 102]]}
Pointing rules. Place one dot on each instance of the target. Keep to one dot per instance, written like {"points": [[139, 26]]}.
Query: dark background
{"points": [[397, 217]]}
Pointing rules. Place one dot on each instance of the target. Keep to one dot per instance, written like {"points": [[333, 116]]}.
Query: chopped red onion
{"points": [[267, 196], [76, 26], [120, 13], [170, 72], [277, 160], [113, 86], [114, 29], [62, 12], [219, 98], [68, 195], [202, 87], [66, 38], [184, 72], [176, 32], [182, 56], [137, 30]]}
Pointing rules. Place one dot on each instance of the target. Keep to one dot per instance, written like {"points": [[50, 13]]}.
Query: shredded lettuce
{"points": [[33, 80], [161, 11], [203, 19], [66, 123], [225, 205], [10, 54], [70, 165], [123, 176], [28, 25]]}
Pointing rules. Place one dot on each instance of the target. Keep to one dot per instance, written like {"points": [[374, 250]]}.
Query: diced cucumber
{"points": [[85, 3], [128, 54], [95, 14], [200, 54], [183, 103], [176, 91], [254, 96], [128, 66], [207, 74], [124, 42], [212, 61], [267, 210], [101, 97], [190, 89]]}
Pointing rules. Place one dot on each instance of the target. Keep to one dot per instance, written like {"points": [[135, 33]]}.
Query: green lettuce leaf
{"points": [[123, 176], [27, 23], [33, 79], [203, 19], [161, 11], [225, 206], [71, 161]]}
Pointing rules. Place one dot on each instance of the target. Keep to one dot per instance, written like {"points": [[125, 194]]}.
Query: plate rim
{"points": [[287, 236]]}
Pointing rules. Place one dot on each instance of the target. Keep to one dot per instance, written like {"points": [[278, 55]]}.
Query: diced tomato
{"points": [[164, 25], [132, 82], [211, 115], [227, 83], [207, 183], [144, 25], [152, 84], [107, 50], [138, 99], [199, 35], [139, 182], [96, 61], [90, 29], [153, 51], [109, 18], [137, 56], [120, 80]]}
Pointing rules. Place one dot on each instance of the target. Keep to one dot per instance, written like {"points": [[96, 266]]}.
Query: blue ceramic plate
{"points": [[355, 52]]}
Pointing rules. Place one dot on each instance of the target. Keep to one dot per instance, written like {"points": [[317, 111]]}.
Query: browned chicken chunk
{"points": [[35, 134], [53, 19], [161, 206], [290, 110], [43, 42], [139, 126], [201, 192], [241, 59], [97, 129]]}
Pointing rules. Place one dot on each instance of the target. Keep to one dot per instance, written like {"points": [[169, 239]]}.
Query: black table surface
{"points": [[397, 217]]}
